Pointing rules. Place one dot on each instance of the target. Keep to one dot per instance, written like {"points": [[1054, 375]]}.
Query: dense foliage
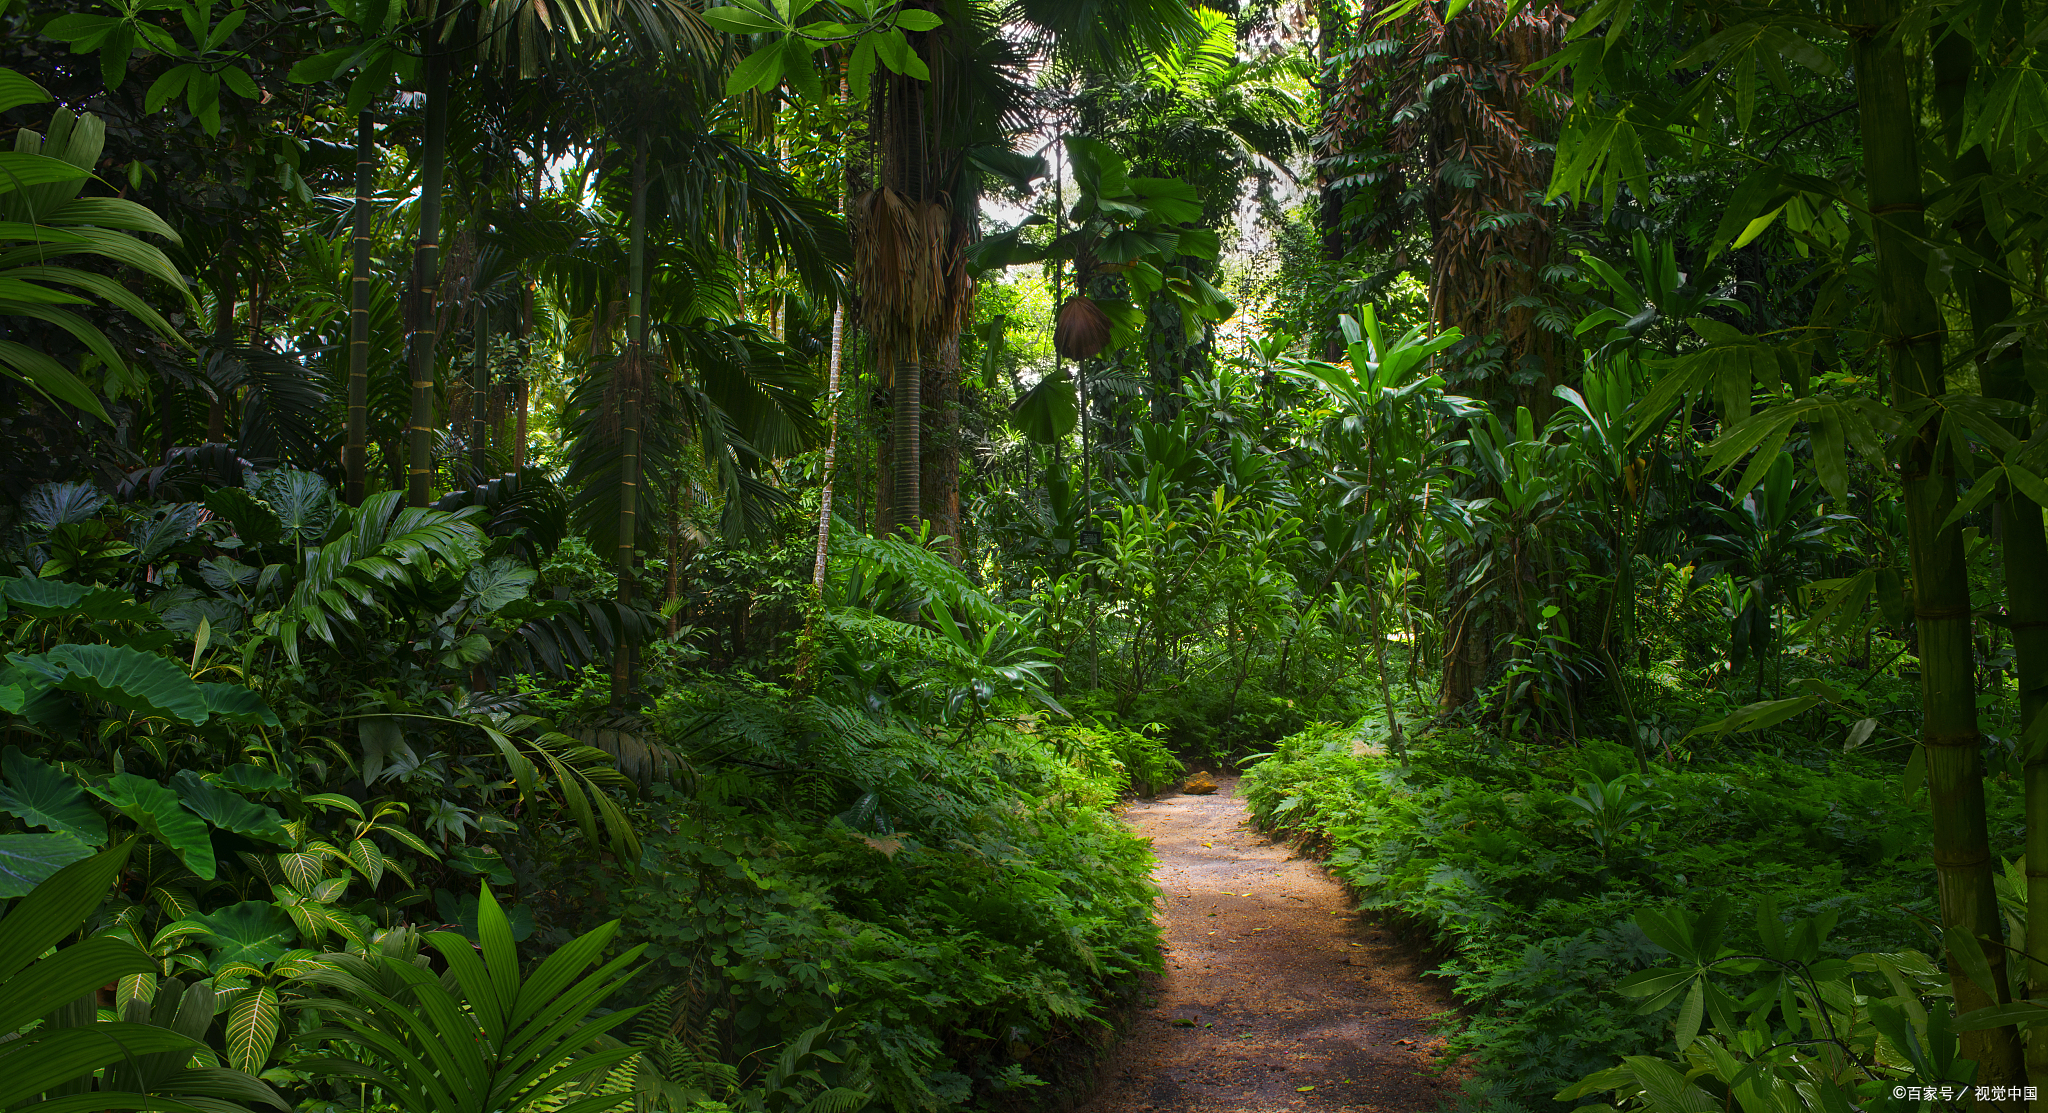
{"points": [[565, 555]]}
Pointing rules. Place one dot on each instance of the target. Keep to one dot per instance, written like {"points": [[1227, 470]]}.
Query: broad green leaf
{"points": [[144, 683], [160, 813], [800, 71], [227, 811], [16, 90], [27, 861], [58, 906], [742, 21], [254, 931], [1047, 412], [252, 1029], [20, 168], [1999, 1016], [64, 977], [255, 778], [50, 598], [43, 795], [233, 703], [759, 70]]}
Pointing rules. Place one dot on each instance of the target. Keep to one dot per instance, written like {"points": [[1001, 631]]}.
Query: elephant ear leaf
{"points": [[51, 598], [253, 931], [233, 703], [160, 813], [255, 523], [227, 811], [133, 680], [27, 861], [43, 795]]}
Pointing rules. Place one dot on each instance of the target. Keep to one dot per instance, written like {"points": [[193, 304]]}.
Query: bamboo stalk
{"points": [[1913, 330]]}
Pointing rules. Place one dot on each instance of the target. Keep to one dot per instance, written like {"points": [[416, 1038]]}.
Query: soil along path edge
{"points": [[1276, 994]]}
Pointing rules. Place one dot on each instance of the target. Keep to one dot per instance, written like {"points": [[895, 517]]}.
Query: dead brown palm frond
{"points": [[900, 248]]}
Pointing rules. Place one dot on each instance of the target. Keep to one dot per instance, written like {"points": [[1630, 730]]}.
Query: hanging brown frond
{"points": [[1082, 329], [900, 249]]}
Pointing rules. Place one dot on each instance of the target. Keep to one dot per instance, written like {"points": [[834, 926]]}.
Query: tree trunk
{"points": [[941, 464], [836, 357], [906, 398], [479, 392], [2024, 547], [521, 390], [630, 370], [355, 443], [1911, 324], [223, 337], [426, 277]]}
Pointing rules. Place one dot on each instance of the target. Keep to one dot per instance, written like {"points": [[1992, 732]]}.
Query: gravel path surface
{"points": [[1276, 995]]}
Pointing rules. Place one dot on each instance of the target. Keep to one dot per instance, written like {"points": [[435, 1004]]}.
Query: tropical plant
{"points": [[48, 223], [72, 1060], [488, 1038]]}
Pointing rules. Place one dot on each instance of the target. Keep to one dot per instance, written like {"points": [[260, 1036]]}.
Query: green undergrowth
{"points": [[1532, 897], [957, 917]]}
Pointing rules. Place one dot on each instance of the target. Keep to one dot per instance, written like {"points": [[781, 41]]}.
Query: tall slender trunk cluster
{"points": [[630, 373], [355, 442], [423, 322], [1913, 332], [2002, 375]]}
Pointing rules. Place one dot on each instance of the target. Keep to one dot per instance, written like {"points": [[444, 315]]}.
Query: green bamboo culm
{"points": [[2002, 374], [423, 332], [1912, 328], [355, 442], [631, 374]]}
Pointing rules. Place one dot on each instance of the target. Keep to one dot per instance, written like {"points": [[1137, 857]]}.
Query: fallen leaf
{"points": [[1303, 1089]]}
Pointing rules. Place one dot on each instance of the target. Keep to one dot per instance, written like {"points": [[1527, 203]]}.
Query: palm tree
{"points": [[913, 224]]}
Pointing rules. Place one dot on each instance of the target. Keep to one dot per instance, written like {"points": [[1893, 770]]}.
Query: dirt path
{"points": [[1276, 995]]}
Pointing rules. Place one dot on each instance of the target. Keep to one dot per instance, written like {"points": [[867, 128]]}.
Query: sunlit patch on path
{"points": [[1276, 996]]}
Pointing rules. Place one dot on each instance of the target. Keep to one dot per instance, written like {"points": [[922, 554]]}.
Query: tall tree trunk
{"points": [[1912, 327], [426, 276], [941, 463], [631, 372], [522, 388], [906, 399], [480, 391], [837, 357], [223, 337], [355, 442], [2002, 374]]}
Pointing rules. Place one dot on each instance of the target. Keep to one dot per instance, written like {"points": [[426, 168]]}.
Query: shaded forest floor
{"points": [[1276, 994]]}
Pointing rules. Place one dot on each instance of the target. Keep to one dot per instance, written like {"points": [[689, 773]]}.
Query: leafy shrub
{"points": [[949, 911], [1482, 850]]}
